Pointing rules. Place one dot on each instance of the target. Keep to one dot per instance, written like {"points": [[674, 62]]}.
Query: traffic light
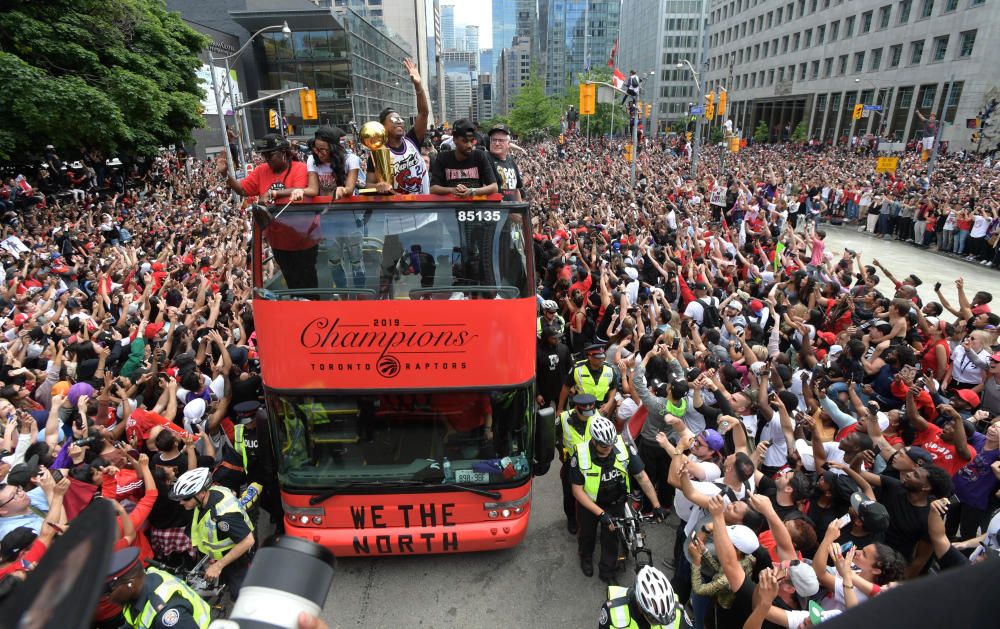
{"points": [[649, 110], [307, 99], [721, 109], [709, 98], [272, 118], [689, 135], [628, 152], [858, 110], [588, 99], [709, 105]]}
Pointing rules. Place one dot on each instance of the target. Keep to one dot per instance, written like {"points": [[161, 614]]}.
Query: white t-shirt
{"points": [[696, 311], [327, 180], [979, 226], [835, 599], [777, 454]]}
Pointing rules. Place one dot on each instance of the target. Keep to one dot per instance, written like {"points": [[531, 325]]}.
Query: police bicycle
{"points": [[212, 592], [631, 538]]}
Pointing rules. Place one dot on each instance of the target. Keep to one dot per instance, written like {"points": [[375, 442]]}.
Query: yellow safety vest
{"points": [[585, 382], [620, 616], [592, 475], [170, 587], [205, 529], [239, 431], [571, 438]]}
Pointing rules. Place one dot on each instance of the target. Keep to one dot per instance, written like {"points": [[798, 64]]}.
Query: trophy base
{"points": [[371, 191]]}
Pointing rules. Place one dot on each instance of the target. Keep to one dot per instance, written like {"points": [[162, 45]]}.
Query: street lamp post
{"points": [[697, 127], [215, 85], [881, 114]]}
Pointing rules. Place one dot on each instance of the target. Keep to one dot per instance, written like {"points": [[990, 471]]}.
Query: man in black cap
{"points": [[463, 172], [278, 177], [409, 173], [153, 599], [508, 175], [553, 363], [869, 522], [595, 377]]}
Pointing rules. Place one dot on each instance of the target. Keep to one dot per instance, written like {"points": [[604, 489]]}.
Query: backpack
{"points": [[711, 317]]}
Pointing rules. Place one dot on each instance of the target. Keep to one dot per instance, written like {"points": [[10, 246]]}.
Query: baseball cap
{"points": [[23, 472], [499, 128], [699, 286], [153, 329], [195, 410], [883, 420], [995, 357], [270, 143], [735, 305], [15, 542], [743, 538], [804, 579], [756, 305], [968, 396], [462, 127], [713, 439], [919, 455]]}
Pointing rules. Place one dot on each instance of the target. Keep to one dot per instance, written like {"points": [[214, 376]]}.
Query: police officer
{"points": [[575, 429], [601, 473], [594, 377], [220, 527], [551, 318], [650, 603], [153, 599], [239, 461]]}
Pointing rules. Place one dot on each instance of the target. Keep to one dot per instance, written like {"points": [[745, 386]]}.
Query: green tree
{"points": [[761, 133], [799, 134], [605, 113], [717, 135], [109, 74], [534, 113]]}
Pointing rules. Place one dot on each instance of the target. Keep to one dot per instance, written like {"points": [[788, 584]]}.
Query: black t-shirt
{"points": [[551, 366], [822, 516], [508, 176], [735, 616], [167, 513], [907, 523], [246, 390], [473, 172], [612, 487], [859, 540]]}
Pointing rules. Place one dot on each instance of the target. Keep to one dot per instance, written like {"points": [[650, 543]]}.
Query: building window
{"points": [[842, 65], [883, 16], [815, 69], [859, 61], [940, 47], [876, 58], [821, 102], [928, 92], [834, 28], [950, 5], [820, 35], [895, 54], [777, 17], [905, 98], [827, 67], [795, 41], [784, 44], [967, 42], [802, 72], [926, 9], [916, 52], [976, 3], [866, 22], [770, 77], [904, 11], [849, 26], [809, 38]]}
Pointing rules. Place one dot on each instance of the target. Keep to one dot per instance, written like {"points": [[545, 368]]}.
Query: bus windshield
{"points": [[471, 437], [347, 251]]}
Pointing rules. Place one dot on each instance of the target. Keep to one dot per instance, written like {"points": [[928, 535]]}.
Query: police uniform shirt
{"points": [[596, 374], [231, 525], [604, 620], [612, 487], [176, 613]]}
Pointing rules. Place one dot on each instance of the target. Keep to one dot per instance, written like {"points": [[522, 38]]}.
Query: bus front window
{"points": [[477, 437]]}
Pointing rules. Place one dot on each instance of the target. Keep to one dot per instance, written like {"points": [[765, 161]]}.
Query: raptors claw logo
{"points": [[406, 181]]}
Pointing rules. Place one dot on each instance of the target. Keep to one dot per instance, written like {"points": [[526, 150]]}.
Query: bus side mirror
{"points": [[545, 439]]}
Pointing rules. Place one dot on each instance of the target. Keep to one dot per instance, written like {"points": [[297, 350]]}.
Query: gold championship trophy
{"points": [[372, 135]]}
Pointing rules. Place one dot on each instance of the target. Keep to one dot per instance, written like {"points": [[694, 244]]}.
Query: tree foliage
{"points": [[109, 74], [761, 133], [533, 112], [799, 134]]}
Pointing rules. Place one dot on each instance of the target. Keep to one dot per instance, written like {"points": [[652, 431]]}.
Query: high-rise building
{"points": [[514, 72], [485, 100], [460, 61], [657, 34], [802, 63], [458, 96], [513, 18], [576, 35], [486, 60], [448, 27], [472, 39]]}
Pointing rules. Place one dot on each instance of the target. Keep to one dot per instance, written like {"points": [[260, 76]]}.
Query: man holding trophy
{"points": [[407, 171]]}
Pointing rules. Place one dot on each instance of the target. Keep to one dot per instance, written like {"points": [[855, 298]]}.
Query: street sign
{"points": [[697, 111], [873, 107], [886, 164]]}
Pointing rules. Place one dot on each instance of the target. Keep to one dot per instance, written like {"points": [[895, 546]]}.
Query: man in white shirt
{"points": [[695, 310]]}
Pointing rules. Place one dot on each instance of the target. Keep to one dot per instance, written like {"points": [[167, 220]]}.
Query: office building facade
{"points": [[448, 27], [812, 61], [513, 72], [458, 96], [513, 18], [575, 35], [661, 34]]}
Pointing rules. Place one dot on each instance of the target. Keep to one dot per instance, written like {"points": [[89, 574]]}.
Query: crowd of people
{"points": [[821, 432]]}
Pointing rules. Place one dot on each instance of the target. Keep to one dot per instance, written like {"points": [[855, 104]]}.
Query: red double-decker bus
{"points": [[396, 340]]}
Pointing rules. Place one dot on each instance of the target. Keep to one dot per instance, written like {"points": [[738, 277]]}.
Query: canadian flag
{"points": [[618, 79]]}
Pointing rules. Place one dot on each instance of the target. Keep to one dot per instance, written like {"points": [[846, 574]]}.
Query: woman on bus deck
{"points": [[332, 170]]}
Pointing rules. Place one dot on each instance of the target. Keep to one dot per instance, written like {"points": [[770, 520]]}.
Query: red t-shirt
{"points": [[944, 454], [262, 179], [27, 560]]}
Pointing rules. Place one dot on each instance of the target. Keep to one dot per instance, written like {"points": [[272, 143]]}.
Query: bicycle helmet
{"points": [[190, 483], [550, 305], [654, 595], [602, 431]]}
